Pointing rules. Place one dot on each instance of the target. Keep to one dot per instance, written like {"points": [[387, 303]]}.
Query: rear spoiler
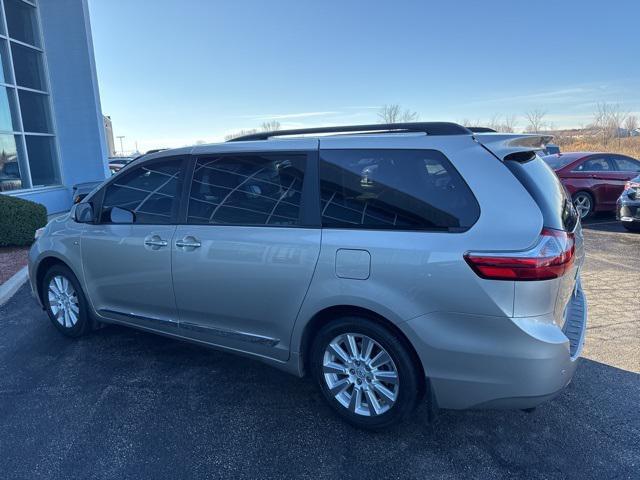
{"points": [[504, 145]]}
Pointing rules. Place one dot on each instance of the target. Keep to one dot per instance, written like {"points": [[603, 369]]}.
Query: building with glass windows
{"points": [[51, 125]]}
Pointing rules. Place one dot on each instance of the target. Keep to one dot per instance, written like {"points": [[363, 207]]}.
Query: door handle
{"points": [[155, 241], [188, 242]]}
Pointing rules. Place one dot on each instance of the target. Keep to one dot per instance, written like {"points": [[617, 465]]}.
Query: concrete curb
{"points": [[11, 286]]}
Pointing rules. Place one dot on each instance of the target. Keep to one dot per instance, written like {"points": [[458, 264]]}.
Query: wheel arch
{"points": [[327, 314], [43, 267]]}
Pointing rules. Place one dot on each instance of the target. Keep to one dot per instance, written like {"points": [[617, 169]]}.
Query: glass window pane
{"points": [[627, 164], [42, 160], [394, 189], [27, 64], [35, 112], [149, 191], [22, 22], [10, 171], [598, 164], [247, 190], [8, 111], [5, 71]]}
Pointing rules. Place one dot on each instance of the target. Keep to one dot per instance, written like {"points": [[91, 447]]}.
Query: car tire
{"points": [[65, 302], [366, 389], [584, 204], [632, 226]]}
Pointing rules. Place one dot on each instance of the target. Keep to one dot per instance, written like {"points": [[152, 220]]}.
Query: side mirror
{"points": [[120, 215], [83, 213]]}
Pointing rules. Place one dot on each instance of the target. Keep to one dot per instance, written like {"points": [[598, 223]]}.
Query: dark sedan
{"points": [[594, 180], [628, 206]]}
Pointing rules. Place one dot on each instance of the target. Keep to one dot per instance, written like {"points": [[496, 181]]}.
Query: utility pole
{"points": [[120, 137]]}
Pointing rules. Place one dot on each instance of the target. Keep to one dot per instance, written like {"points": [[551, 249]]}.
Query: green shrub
{"points": [[19, 220]]}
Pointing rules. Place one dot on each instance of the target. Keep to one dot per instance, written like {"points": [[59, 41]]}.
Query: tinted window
{"points": [[247, 190], [42, 153], [627, 164], [150, 191], [546, 189], [28, 67], [595, 164], [558, 161], [21, 19], [394, 189]]}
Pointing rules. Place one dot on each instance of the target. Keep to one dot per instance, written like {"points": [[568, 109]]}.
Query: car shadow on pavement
{"points": [[123, 403], [604, 222]]}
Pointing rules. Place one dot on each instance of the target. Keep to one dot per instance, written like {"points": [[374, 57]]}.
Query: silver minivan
{"points": [[393, 263]]}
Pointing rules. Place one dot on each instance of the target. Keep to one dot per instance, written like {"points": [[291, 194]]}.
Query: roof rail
{"points": [[482, 130], [430, 128]]}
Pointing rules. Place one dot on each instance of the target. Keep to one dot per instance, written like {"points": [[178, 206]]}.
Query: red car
{"points": [[594, 180]]}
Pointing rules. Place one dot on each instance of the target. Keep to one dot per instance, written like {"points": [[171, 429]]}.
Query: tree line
{"points": [[609, 121]]}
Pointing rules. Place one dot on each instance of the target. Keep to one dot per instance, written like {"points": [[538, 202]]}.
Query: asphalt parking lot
{"points": [[125, 404]]}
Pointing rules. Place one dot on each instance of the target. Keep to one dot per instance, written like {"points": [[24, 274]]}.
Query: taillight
{"points": [[551, 257]]}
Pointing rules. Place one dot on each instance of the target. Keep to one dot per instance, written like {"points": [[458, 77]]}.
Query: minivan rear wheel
{"points": [[365, 372], [65, 302]]}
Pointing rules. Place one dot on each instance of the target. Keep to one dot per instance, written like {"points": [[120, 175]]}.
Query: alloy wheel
{"points": [[360, 374], [582, 202], [63, 301]]}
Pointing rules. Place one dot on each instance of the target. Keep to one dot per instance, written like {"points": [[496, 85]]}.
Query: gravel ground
{"points": [[12, 259], [125, 404], [611, 279]]}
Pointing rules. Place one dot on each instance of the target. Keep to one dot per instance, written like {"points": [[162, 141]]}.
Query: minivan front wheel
{"points": [[365, 372], [64, 301]]}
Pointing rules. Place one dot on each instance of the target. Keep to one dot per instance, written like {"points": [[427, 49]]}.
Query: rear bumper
{"points": [[498, 362]]}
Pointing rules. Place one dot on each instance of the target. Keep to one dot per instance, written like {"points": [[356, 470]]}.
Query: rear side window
{"points": [[595, 164], [627, 164], [558, 161], [247, 190], [149, 191], [545, 188], [394, 189]]}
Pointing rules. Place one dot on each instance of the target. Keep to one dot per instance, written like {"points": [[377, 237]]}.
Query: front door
{"points": [[128, 266], [243, 261]]}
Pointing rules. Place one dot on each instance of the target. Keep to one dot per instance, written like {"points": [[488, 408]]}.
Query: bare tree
{"points": [[271, 126], [617, 117], [394, 114], [506, 125], [608, 119], [470, 123], [509, 124], [535, 120], [240, 133], [601, 121], [631, 123], [494, 123]]}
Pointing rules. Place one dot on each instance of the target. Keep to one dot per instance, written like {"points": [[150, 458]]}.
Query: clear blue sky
{"points": [[173, 72]]}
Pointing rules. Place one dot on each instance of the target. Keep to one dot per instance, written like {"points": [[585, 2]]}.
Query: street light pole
{"points": [[120, 137]]}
